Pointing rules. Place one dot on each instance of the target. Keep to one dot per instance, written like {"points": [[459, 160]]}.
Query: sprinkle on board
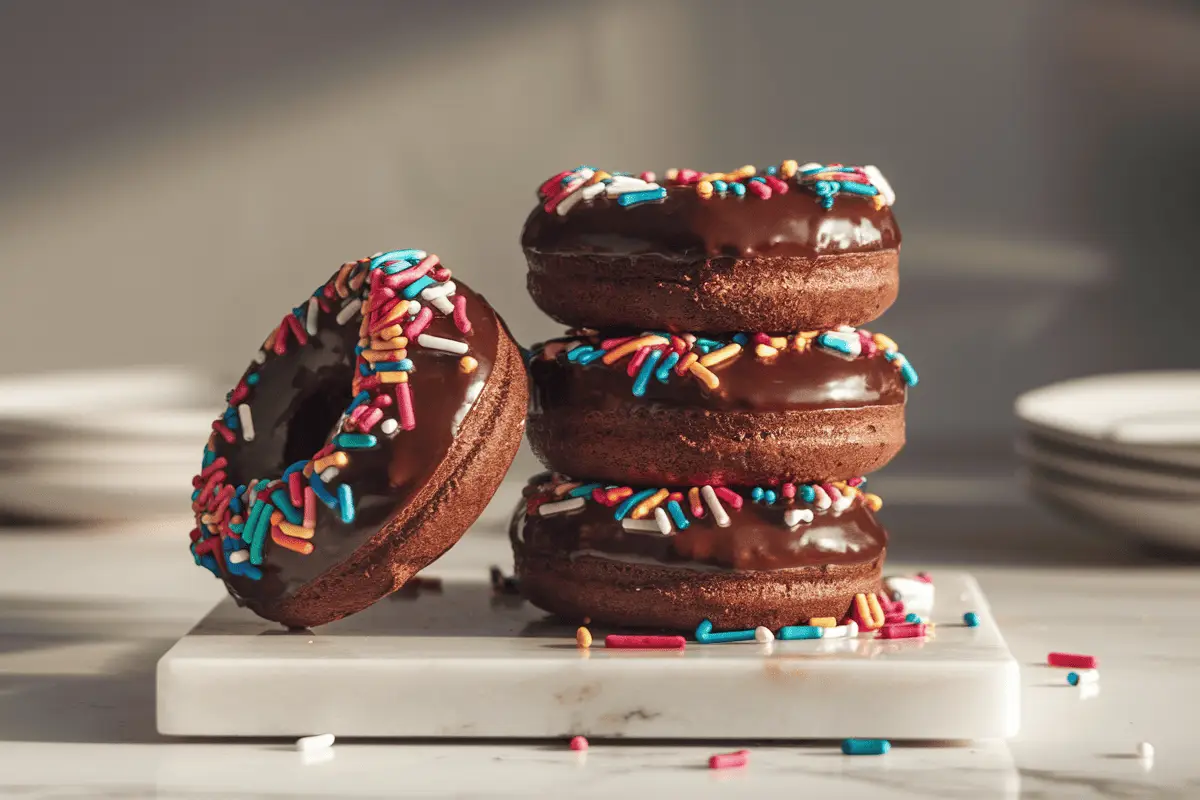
{"points": [[393, 296]]}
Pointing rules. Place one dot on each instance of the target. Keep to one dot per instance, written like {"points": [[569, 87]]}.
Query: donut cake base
{"points": [[464, 663]]}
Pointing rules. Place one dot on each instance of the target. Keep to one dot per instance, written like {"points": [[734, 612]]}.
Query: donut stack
{"points": [[710, 414]]}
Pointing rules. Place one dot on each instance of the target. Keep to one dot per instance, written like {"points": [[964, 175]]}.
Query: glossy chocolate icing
{"points": [[296, 404], [756, 539], [791, 381], [688, 227]]}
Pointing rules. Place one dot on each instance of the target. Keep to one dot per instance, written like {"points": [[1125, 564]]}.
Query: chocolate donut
{"points": [[669, 558], [659, 408], [794, 248], [370, 431]]}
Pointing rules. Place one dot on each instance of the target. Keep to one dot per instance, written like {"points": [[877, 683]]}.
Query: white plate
{"points": [[55, 395], [1153, 416], [1096, 466], [1170, 521]]}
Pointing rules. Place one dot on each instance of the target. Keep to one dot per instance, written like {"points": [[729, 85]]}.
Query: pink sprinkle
{"points": [[239, 393], [355, 416], [310, 508], [679, 345], [226, 434], [609, 344], [822, 497], [404, 278], [553, 183], [379, 319], [738, 758], [648, 177], [408, 419], [619, 642], [1077, 660], [219, 464], [578, 743], [297, 329], [894, 617], [382, 401], [553, 202], [324, 451], [441, 274], [413, 329], [855, 482], [371, 419], [762, 338], [600, 497], [910, 631], [460, 314], [789, 490], [635, 363], [687, 176], [729, 496], [777, 186], [867, 344], [296, 489], [324, 304], [924, 576], [280, 346], [760, 189], [832, 491]]}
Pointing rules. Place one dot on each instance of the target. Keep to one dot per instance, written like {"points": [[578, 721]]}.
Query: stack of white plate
{"points": [[1121, 451], [101, 445]]}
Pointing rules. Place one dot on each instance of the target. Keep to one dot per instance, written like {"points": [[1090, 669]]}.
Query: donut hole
{"points": [[316, 414]]}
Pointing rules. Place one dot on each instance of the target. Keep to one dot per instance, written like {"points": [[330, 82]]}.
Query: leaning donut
{"points": [[369, 432]]}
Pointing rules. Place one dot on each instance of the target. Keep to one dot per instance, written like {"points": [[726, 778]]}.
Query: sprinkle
{"points": [[563, 506], [694, 502], [355, 441], [866, 747], [310, 508], [700, 371], [578, 743], [413, 329], [337, 459], [467, 365], [346, 501], [729, 496], [640, 526], [310, 321], [280, 498], [738, 758], [677, 515], [971, 619], [647, 196], [318, 487], [292, 543], [795, 632], [348, 311], [460, 315], [632, 501], [823, 622], [408, 419], [705, 634], [719, 356], [663, 521], [1084, 677], [238, 556], [620, 642], [389, 426], [299, 531], [322, 741], [649, 504], [847, 631], [714, 505], [1071, 660], [330, 475], [902, 631], [583, 638], [633, 345], [763, 635]]}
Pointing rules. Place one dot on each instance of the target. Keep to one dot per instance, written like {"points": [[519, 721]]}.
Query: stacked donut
{"points": [[710, 414]]}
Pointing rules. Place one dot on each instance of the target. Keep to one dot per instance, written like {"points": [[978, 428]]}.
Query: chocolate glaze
{"points": [[688, 227], [298, 401], [756, 539], [791, 381]]}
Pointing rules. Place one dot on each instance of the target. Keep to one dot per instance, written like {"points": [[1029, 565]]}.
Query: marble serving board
{"points": [[462, 661]]}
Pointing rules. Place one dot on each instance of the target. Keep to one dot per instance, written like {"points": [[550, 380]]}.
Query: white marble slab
{"points": [[465, 663]]}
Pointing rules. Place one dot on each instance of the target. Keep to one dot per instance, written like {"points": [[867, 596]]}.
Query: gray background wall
{"points": [[174, 174]]}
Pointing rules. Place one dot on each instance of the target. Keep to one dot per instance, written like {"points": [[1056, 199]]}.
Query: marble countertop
{"points": [[85, 615]]}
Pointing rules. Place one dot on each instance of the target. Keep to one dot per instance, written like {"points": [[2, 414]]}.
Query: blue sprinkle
{"points": [[909, 374], [812, 170], [417, 286], [647, 196], [196, 495], [259, 539], [770, 497], [720, 186], [318, 487], [295, 467], [398, 255], [756, 494], [246, 570], [595, 355], [741, 339], [346, 497], [585, 490], [738, 189], [677, 515], [209, 457], [284, 504], [772, 170], [403, 365], [807, 493], [835, 342], [912, 618], [630, 502], [355, 441], [644, 373], [711, 344], [757, 179], [866, 747], [358, 400], [857, 188], [364, 370], [971, 619], [578, 352], [208, 562], [252, 379], [358, 349], [663, 373]]}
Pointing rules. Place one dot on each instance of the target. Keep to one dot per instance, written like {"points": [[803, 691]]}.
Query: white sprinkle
{"points": [[247, 421], [843, 502], [445, 345], [916, 595], [1145, 751], [310, 321], [329, 474], [389, 426], [714, 505], [845, 328], [822, 501], [321, 741], [443, 305], [808, 166], [880, 183], [414, 308], [663, 521], [639, 525], [591, 191], [238, 556], [627, 183], [348, 311], [763, 635], [847, 631], [794, 516], [260, 357], [568, 202], [562, 506], [439, 290]]}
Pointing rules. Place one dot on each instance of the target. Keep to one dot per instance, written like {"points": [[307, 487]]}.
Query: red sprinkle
{"points": [[296, 489], [1071, 660], [894, 617], [910, 631], [579, 743], [609, 344], [226, 434], [618, 642], [552, 183], [760, 189], [297, 329], [419, 324], [729, 496], [635, 363], [738, 758], [789, 490], [215, 466], [405, 277], [460, 314], [777, 186], [408, 419]]}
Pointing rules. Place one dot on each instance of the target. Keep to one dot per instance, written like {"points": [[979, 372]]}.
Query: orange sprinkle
{"points": [[877, 615], [339, 283], [717, 356], [885, 342], [598, 176], [874, 501], [399, 343], [467, 365], [276, 517], [299, 531], [391, 332], [269, 344], [779, 342], [620, 352], [384, 355], [618, 494], [338, 459], [823, 622], [686, 362], [291, 543], [701, 372], [765, 351], [788, 168], [694, 500], [393, 377], [649, 504], [563, 488], [704, 189], [357, 281]]}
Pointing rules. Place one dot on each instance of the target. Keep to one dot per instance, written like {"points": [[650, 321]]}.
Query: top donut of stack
{"points": [[793, 247]]}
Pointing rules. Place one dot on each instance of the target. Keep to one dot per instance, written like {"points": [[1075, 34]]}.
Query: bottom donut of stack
{"points": [[671, 557]]}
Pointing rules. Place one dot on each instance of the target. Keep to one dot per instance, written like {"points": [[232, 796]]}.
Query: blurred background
{"points": [[173, 175]]}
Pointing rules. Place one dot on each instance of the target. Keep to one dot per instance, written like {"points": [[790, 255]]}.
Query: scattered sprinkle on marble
{"points": [[971, 619], [738, 758], [763, 635], [308, 744], [583, 637], [578, 743]]}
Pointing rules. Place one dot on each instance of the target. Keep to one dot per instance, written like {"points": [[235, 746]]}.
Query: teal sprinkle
{"points": [[196, 495], [252, 379], [643, 376], [646, 196], [738, 189], [807, 493], [756, 494], [259, 539], [208, 562], [720, 186], [398, 255], [831, 342], [237, 527], [595, 355], [209, 457], [579, 352], [812, 170], [758, 179], [793, 632], [585, 490], [709, 343], [909, 374], [663, 373], [417, 286], [677, 515], [252, 521], [912, 618], [630, 502], [741, 339], [284, 504], [346, 503], [703, 349], [354, 441], [772, 170], [857, 188], [770, 497]]}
